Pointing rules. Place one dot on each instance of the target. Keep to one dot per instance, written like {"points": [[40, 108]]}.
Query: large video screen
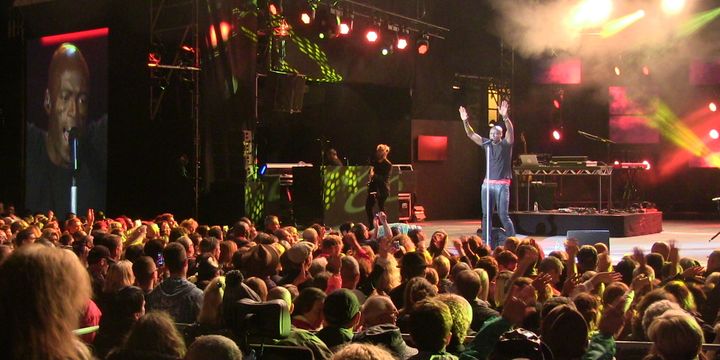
{"points": [[66, 129]]}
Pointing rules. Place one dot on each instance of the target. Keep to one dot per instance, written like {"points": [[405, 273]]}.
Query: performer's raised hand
{"points": [[503, 108], [463, 113]]}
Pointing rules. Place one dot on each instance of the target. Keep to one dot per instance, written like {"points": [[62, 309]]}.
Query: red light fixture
{"points": [[371, 35], [401, 43], [712, 106], [556, 135], [714, 134], [423, 45], [647, 164], [556, 103]]}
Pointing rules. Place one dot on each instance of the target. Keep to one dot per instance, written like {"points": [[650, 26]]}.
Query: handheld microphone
{"points": [[73, 140]]}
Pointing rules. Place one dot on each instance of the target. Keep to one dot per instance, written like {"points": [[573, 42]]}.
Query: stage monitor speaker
{"points": [[405, 207], [284, 91], [590, 237]]}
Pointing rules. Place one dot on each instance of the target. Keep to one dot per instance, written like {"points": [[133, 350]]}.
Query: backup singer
{"points": [[499, 178], [379, 185]]}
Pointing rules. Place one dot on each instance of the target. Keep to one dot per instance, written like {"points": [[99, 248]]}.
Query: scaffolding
{"points": [[175, 58]]}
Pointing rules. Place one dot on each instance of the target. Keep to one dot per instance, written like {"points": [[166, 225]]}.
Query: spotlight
{"points": [[556, 135], [646, 70], [672, 7], [275, 7], [591, 13], [714, 134], [263, 169], [556, 103], [647, 164], [423, 45], [307, 12], [401, 43], [712, 106], [345, 27], [387, 50], [224, 30], [371, 35], [617, 70]]}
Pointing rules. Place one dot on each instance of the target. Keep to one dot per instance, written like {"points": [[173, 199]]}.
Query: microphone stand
{"points": [[487, 217], [75, 166], [599, 139]]}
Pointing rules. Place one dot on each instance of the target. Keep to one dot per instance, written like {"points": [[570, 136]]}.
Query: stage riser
{"points": [[619, 225]]}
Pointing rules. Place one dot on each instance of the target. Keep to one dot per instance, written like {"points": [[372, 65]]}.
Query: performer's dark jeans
{"points": [[500, 197], [376, 193]]}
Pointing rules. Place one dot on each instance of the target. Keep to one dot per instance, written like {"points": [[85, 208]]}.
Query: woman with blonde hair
{"points": [[119, 276], [44, 292]]}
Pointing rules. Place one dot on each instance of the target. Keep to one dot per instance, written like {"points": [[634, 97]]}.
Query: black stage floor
{"points": [[692, 237]]}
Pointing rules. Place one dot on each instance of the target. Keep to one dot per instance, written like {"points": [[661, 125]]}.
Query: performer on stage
{"points": [[379, 185], [500, 168]]}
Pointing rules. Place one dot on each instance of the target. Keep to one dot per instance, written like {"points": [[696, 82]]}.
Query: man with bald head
{"points": [[49, 161], [379, 316]]}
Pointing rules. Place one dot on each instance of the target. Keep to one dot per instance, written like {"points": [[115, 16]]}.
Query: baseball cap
{"points": [[340, 307], [99, 252], [299, 252]]}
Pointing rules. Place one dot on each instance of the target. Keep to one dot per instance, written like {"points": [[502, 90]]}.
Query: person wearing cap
{"points": [[342, 315], [296, 263], [411, 265], [99, 260], [379, 318], [431, 329], [261, 261]]}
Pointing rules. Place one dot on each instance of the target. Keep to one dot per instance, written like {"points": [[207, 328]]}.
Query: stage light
{"points": [[305, 18], [556, 103], [556, 135], [591, 13], [423, 44], [386, 51], [616, 163], [275, 7], [224, 30], [712, 106], [401, 43], [617, 70], [646, 70], [344, 28], [371, 35], [213, 36], [714, 134], [672, 7], [263, 169], [647, 164], [615, 26]]}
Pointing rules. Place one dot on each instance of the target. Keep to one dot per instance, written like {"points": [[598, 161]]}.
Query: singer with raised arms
{"points": [[496, 187]]}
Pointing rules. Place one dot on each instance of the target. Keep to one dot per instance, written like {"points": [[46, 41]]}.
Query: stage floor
{"points": [[692, 237]]}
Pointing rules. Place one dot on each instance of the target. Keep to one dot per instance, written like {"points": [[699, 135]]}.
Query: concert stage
{"points": [[549, 223], [692, 237]]}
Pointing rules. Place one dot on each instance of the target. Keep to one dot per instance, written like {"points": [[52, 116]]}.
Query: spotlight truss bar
{"points": [[409, 24]]}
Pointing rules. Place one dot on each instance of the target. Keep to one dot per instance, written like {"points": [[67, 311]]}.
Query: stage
{"points": [[620, 224], [692, 237]]}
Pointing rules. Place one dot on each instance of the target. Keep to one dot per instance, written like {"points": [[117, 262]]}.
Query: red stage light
{"points": [[213, 36], [556, 135], [617, 71], [305, 18], [75, 36], [647, 164], [556, 103], [401, 43], [714, 134], [273, 9], [616, 163], [646, 70], [423, 44], [712, 107], [371, 36]]}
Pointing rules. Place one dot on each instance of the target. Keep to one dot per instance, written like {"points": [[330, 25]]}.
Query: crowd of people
{"points": [[159, 289]]}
